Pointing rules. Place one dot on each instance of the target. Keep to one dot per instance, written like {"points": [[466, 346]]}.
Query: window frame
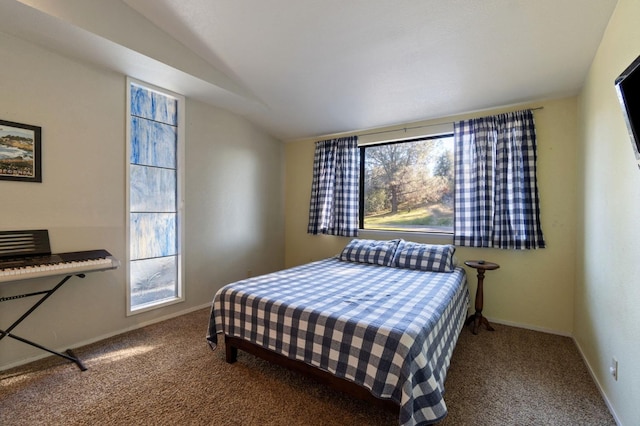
{"points": [[180, 191], [362, 147]]}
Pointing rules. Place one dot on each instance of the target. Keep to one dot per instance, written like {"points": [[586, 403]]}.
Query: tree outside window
{"points": [[408, 185]]}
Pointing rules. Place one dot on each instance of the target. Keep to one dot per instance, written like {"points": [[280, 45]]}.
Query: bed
{"points": [[380, 321]]}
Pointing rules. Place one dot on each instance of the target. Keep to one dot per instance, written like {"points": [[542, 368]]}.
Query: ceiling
{"points": [[306, 68]]}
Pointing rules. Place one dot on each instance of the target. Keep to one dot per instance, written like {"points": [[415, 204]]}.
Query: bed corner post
{"points": [[231, 352]]}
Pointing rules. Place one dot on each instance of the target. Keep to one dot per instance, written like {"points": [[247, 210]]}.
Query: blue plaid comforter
{"points": [[390, 330]]}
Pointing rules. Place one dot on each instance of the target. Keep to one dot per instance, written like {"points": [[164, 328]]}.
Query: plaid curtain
{"points": [[334, 192], [496, 191]]}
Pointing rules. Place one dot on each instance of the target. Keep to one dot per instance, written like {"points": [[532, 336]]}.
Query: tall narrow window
{"points": [[155, 150]]}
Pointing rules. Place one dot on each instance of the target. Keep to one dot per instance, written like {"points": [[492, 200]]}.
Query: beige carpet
{"points": [[165, 374]]}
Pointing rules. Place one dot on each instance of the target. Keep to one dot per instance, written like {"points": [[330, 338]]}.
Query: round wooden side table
{"points": [[477, 318]]}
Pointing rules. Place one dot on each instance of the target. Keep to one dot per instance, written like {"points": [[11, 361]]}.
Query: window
{"points": [[408, 185], [154, 196]]}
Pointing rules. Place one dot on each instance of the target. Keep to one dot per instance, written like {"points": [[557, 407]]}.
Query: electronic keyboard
{"points": [[26, 254], [57, 264]]}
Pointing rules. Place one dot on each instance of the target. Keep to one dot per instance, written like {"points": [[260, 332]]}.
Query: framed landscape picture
{"points": [[20, 152]]}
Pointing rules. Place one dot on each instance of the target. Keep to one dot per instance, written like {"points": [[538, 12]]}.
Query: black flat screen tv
{"points": [[628, 88]]}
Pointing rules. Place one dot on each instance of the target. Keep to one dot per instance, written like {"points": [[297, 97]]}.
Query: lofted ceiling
{"points": [[306, 68]]}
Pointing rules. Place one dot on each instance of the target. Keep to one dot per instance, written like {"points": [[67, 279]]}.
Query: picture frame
{"points": [[20, 152]]}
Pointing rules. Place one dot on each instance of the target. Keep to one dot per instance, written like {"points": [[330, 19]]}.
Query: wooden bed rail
{"points": [[232, 344]]}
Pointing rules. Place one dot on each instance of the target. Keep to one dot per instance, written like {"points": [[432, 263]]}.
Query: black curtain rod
{"points": [[424, 126]]}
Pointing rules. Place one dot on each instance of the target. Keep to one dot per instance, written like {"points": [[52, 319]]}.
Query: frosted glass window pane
{"points": [[153, 144], [152, 189], [154, 106], [153, 235], [153, 280]]}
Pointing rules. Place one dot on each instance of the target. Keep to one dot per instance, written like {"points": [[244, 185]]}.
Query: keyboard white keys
{"points": [[63, 268]]}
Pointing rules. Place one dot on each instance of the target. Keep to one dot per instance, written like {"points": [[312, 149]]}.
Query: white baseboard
{"points": [[530, 327], [106, 336], [595, 380]]}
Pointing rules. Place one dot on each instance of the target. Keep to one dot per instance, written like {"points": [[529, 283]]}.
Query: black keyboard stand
{"points": [[69, 355]]}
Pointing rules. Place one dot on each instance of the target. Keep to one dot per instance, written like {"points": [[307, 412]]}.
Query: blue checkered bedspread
{"points": [[390, 330]]}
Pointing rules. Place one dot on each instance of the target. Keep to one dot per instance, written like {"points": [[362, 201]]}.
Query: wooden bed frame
{"points": [[232, 344]]}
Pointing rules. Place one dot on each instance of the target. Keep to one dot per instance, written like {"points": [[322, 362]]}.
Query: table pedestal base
{"points": [[478, 319]]}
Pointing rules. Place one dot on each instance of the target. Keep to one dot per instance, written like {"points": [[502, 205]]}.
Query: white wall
{"points": [[607, 302], [234, 213]]}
